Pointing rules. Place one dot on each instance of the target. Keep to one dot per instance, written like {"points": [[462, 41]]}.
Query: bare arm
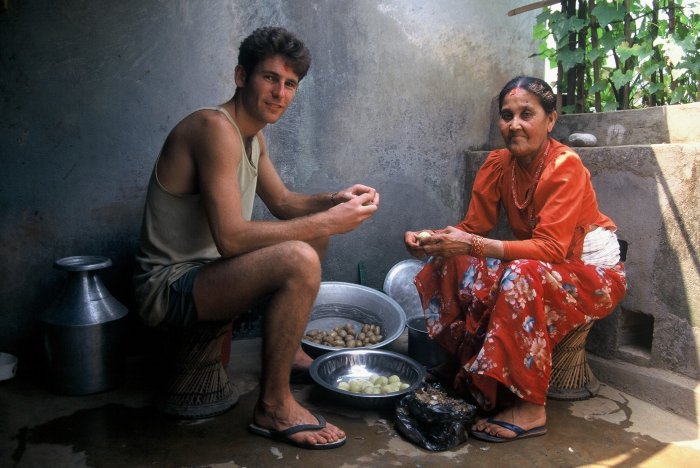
{"points": [[449, 242], [217, 155], [286, 204]]}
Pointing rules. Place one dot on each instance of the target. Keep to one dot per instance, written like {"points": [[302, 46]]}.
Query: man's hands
{"points": [[355, 191], [359, 203]]}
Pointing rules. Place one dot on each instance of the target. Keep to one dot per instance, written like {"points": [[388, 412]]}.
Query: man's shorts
{"points": [[181, 311]]}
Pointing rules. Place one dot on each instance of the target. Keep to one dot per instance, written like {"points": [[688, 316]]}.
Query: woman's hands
{"points": [[450, 242], [446, 242]]}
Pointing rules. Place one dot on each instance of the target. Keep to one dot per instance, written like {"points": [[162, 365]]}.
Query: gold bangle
{"points": [[333, 198], [477, 249]]}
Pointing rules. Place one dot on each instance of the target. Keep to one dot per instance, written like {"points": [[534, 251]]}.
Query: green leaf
{"points": [[570, 58], [609, 40], [620, 79], [677, 95], [625, 51], [595, 54], [564, 26], [650, 67], [689, 43], [607, 13], [654, 88], [547, 15], [540, 31], [597, 87]]}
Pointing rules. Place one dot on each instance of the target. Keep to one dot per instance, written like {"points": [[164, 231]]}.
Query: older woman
{"points": [[499, 307]]}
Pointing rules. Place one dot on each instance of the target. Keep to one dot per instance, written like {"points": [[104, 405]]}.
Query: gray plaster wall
{"points": [[397, 93]]}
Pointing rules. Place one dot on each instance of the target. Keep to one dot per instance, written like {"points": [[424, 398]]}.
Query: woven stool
{"points": [[572, 377], [196, 385]]}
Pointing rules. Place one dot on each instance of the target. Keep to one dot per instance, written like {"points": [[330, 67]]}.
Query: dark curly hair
{"points": [[536, 86], [269, 41]]}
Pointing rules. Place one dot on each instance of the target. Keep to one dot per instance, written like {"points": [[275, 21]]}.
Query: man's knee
{"points": [[302, 257]]}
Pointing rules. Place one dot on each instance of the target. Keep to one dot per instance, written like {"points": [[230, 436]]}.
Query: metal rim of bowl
{"points": [[386, 341], [8, 365], [318, 362]]}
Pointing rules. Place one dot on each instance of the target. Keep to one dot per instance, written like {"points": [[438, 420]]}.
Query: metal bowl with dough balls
{"points": [[349, 316], [366, 378]]}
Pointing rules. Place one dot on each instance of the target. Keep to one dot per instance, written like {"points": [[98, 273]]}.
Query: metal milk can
{"points": [[83, 331]]}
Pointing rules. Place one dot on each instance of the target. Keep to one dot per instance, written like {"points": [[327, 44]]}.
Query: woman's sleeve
{"points": [[558, 201], [482, 213]]}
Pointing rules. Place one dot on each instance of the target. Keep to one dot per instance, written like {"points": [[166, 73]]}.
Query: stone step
{"points": [[667, 390], [653, 125]]}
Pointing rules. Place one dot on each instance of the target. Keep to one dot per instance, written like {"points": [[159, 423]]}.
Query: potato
{"points": [[423, 235]]}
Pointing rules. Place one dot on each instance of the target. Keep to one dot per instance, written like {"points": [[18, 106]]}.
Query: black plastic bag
{"points": [[433, 419]]}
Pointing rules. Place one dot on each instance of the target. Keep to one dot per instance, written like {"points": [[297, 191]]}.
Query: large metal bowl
{"points": [[339, 303], [332, 368]]}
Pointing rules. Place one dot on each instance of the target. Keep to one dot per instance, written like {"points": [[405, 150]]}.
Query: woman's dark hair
{"points": [[269, 41], [533, 85]]}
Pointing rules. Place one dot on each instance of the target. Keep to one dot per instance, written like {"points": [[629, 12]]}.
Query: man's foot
{"points": [[296, 425], [521, 420]]}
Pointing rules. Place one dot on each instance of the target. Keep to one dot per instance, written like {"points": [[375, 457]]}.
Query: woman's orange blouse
{"points": [[564, 205]]}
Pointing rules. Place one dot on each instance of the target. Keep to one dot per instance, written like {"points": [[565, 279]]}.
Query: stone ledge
{"points": [[663, 124], [657, 125], [667, 390]]}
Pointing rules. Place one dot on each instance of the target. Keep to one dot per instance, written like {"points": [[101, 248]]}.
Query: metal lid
{"points": [[398, 284]]}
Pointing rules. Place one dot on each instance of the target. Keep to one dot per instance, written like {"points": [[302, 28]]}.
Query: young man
{"points": [[201, 256]]}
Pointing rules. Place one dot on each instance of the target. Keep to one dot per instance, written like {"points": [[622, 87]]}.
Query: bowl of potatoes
{"points": [[366, 378], [351, 316]]}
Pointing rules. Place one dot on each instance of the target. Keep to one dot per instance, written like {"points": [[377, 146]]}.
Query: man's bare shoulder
{"points": [[202, 131], [204, 138], [203, 121]]}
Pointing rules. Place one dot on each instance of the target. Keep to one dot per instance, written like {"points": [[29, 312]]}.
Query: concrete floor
{"points": [[120, 428]]}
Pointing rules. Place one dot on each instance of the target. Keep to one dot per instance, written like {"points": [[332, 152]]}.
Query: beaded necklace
{"points": [[530, 191]]}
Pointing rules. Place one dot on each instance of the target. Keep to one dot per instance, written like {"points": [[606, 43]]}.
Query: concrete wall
{"points": [[397, 92]]}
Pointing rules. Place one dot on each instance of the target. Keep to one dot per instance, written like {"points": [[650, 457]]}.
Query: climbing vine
{"points": [[621, 54]]}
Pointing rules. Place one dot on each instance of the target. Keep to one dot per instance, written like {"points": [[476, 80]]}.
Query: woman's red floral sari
{"points": [[502, 319]]}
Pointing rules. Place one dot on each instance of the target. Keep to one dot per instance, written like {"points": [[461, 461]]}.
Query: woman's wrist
{"points": [[334, 202], [477, 246]]}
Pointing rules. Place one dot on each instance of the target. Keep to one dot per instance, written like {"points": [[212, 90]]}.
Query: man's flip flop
{"points": [[520, 433], [283, 436]]}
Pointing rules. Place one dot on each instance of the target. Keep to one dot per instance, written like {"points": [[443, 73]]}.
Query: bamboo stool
{"points": [[196, 385], [572, 377]]}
